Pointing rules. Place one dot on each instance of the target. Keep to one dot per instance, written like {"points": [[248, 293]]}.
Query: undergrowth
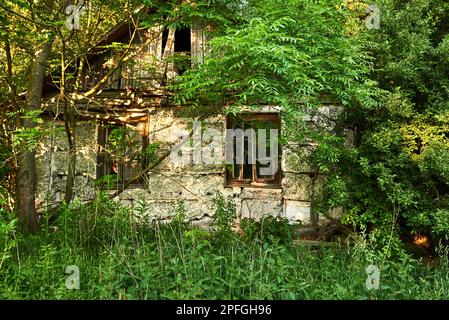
{"points": [[123, 254]]}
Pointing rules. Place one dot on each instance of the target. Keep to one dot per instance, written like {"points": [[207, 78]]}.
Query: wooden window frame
{"points": [[105, 162], [273, 182]]}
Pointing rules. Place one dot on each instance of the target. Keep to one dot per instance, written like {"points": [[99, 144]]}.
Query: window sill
{"points": [[259, 185]]}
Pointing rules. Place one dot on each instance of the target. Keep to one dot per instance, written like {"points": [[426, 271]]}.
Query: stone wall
{"points": [[52, 164], [194, 184]]}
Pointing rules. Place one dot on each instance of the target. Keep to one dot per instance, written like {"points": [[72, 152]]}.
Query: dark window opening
{"points": [[183, 48], [254, 161], [183, 40]]}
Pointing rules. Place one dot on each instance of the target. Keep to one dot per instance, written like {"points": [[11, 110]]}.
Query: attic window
{"points": [[183, 40], [252, 150], [182, 48], [120, 155]]}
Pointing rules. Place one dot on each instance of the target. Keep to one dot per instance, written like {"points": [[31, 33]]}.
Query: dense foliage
{"points": [[121, 257], [395, 180], [381, 160], [385, 159]]}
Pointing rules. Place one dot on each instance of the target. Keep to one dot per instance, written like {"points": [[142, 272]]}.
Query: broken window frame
{"points": [[132, 75], [181, 58], [105, 161], [256, 181]]}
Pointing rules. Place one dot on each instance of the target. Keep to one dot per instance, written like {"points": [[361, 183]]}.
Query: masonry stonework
{"points": [[193, 184]]}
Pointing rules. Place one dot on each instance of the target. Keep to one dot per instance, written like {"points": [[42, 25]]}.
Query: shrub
{"points": [[268, 229]]}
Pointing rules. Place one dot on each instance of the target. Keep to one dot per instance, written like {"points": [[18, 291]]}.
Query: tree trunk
{"points": [[26, 173], [7, 126]]}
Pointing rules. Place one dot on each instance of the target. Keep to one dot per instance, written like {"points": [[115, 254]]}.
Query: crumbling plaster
{"points": [[168, 183]]}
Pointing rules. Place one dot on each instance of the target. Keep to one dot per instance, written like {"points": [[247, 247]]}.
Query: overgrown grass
{"points": [[122, 257]]}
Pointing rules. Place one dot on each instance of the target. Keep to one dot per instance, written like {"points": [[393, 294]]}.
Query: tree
{"points": [[394, 182], [26, 175], [39, 32], [291, 54], [392, 86], [25, 178]]}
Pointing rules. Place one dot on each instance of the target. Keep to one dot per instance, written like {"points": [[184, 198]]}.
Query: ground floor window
{"points": [[121, 155], [252, 150]]}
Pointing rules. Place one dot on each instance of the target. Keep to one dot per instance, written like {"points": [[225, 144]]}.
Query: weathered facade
{"points": [[134, 101]]}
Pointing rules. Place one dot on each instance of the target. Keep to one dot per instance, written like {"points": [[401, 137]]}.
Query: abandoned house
{"points": [[132, 106]]}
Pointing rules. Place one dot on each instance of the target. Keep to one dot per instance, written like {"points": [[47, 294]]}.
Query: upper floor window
{"points": [[180, 46], [158, 54]]}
